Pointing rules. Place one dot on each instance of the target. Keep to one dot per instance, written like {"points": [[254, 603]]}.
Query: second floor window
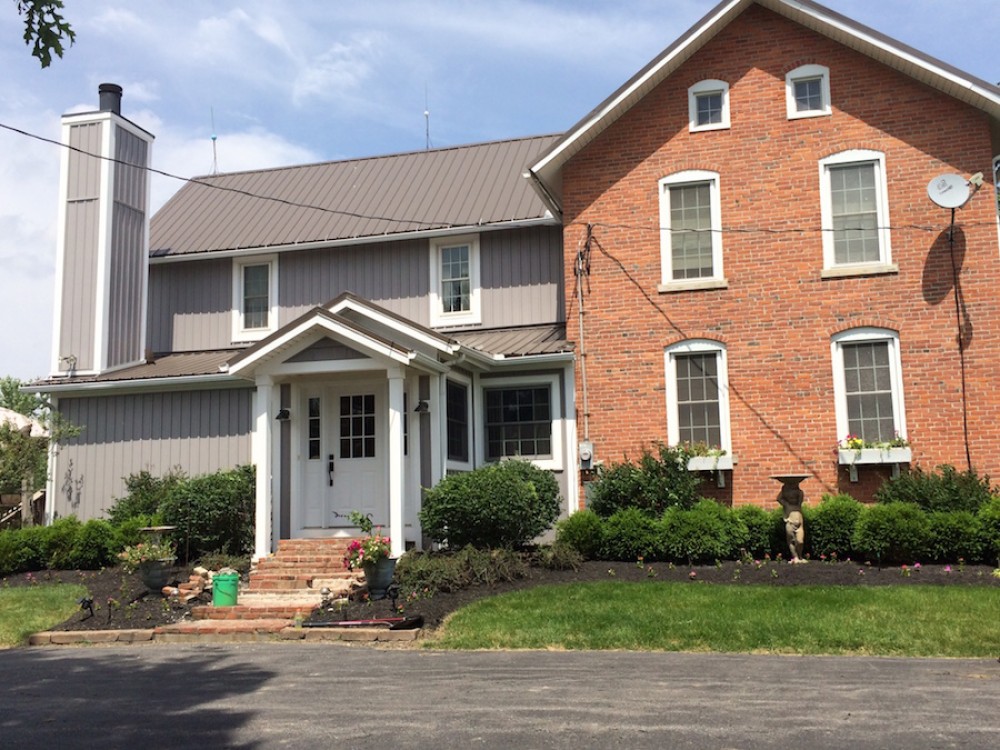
{"points": [[255, 292], [454, 281], [690, 226], [855, 210]]}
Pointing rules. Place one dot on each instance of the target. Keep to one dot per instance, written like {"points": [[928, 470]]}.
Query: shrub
{"points": [[583, 531], [892, 533], [706, 532], [57, 542], [127, 532], [765, 530], [22, 550], [218, 560], [146, 494], [947, 489], [212, 513], [506, 504], [830, 526], [558, 556], [655, 484], [630, 534], [989, 521], [954, 536], [426, 573], [95, 546]]}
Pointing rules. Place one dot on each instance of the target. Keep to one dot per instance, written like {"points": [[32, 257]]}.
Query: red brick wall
{"points": [[777, 315]]}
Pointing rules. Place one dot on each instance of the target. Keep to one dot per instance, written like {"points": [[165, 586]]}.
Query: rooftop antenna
{"points": [[427, 122], [215, 154]]}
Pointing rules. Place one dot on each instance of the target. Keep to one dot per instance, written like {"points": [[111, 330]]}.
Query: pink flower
{"points": [[692, 575]]}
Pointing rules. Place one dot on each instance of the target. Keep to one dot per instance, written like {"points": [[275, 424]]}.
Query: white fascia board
{"points": [[392, 323], [545, 221], [60, 249], [180, 382]]}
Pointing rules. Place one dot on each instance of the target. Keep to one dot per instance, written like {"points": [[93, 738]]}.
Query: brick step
{"points": [[245, 612], [285, 561], [297, 544]]}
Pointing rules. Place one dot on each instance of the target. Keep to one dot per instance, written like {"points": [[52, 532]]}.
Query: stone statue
{"points": [[790, 499]]}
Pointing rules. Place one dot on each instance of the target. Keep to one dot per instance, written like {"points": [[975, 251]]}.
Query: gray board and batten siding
{"points": [[202, 431], [521, 284], [79, 281], [128, 250]]}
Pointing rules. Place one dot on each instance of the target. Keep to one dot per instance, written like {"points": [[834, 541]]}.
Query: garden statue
{"points": [[790, 499]]}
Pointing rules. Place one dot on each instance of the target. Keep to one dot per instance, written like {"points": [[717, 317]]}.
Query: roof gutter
{"points": [[177, 382], [544, 193]]}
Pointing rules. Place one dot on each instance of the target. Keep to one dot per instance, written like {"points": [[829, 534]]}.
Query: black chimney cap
{"points": [[110, 97]]}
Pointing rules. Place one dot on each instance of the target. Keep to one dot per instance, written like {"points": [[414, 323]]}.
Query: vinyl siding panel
{"points": [[197, 431], [521, 277], [190, 306], [84, 173], [78, 313]]}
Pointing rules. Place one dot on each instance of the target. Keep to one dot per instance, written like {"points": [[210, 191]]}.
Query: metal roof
{"points": [[357, 199], [175, 365], [517, 342], [546, 171]]}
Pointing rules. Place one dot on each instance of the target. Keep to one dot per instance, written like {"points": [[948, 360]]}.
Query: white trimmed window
{"points": [[708, 106], [855, 211], [807, 92], [690, 228], [697, 378], [255, 297], [454, 279], [868, 385], [522, 417], [458, 419]]}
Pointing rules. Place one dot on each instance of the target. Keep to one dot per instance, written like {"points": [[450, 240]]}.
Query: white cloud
{"points": [[340, 70]]}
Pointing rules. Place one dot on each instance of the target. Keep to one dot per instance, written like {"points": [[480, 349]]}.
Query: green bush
{"points": [[583, 531], [426, 573], [127, 532], [631, 534], [212, 513], [65, 545], [830, 526], [146, 494], [653, 485], [765, 530], [892, 533], [506, 504], [58, 540], [95, 546], [706, 532], [946, 489], [955, 536], [989, 522], [22, 550]]}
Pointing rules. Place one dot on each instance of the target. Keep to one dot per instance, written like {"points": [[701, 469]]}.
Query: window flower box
{"points": [[711, 463], [854, 457]]}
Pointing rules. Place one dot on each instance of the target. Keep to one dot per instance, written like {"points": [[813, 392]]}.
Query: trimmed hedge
{"points": [[656, 483], [830, 526], [893, 534], [631, 534], [945, 489], [584, 532], [705, 533], [65, 545]]}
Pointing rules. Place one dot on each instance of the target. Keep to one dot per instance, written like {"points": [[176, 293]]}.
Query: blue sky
{"points": [[307, 81]]}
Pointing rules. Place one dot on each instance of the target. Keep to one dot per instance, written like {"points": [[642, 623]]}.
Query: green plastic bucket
{"points": [[224, 589]]}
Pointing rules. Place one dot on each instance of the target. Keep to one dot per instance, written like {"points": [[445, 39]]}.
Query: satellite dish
{"points": [[948, 190]]}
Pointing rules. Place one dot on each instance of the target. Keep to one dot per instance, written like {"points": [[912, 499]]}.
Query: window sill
{"points": [[809, 113], [711, 463], [862, 269], [849, 457], [692, 285]]}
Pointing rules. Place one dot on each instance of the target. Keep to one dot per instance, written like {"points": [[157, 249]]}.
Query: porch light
{"points": [[284, 415], [422, 407]]}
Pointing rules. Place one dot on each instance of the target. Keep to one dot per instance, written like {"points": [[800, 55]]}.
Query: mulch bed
{"points": [[121, 601]]}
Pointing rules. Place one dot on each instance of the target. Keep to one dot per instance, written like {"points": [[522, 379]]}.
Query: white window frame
{"points": [[240, 332], [804, 73], [556, 462], [470, 431], [844, 158], [867, 335], [472, 316], [681, 179], [699, 346], [708, 86]]}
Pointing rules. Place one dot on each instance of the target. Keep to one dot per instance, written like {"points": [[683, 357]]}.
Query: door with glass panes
{"points": [[343, 454]]}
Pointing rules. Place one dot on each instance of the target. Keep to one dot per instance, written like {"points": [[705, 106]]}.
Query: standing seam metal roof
{"points": [[465, 186]]}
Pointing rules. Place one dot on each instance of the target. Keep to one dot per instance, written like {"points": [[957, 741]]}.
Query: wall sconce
{"points": [[284, 415], [422, 407]]}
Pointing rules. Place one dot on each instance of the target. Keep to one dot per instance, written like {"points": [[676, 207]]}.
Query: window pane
{"points": [[868, 385], [357, 426], [698, 411], [518, 422], [854, 204], [709, 108], [314, 442], [690, 231], [455, 279], [808, 95], [255, 296], [458, 421]]}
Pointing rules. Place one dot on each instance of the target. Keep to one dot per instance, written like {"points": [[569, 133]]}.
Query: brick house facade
{"points": [[767, 138]]}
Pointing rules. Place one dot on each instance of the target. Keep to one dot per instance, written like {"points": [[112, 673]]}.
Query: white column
{"points": [[397, 530], [261, 456]]}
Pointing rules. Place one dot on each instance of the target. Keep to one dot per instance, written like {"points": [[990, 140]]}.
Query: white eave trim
{"points": [[544, 221], [175, 382], [438, 344]]}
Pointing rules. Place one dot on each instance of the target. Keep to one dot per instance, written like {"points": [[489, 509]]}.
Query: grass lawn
{"points": [[885, 620], [28, 609]]}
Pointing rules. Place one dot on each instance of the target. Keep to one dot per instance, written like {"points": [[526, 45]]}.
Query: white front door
{"points": [[343, 454]]}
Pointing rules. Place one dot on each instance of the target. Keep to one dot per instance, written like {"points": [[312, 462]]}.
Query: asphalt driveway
{"points": [[306, 695]]}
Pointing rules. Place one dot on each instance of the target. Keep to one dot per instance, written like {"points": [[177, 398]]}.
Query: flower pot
{"points": [[156, 574], [378, 576]]}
